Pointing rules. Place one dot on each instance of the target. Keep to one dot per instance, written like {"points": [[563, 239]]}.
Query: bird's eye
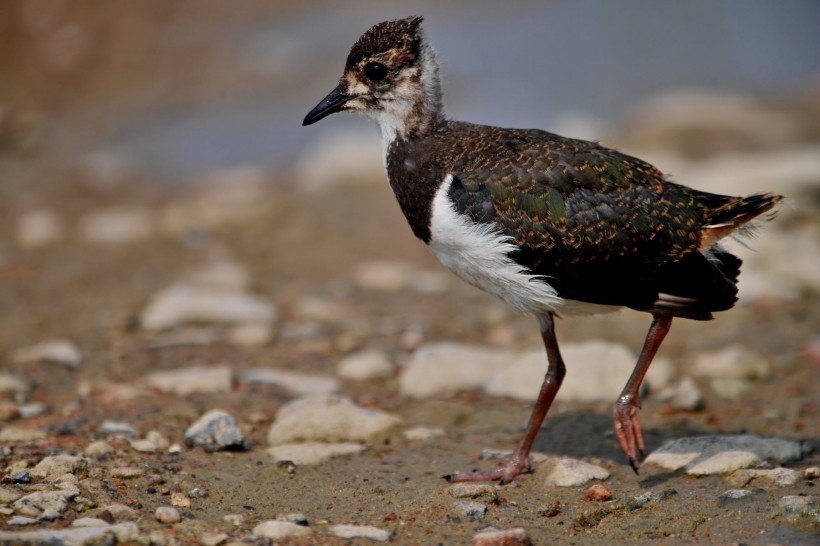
{"points": [[375, 72]]}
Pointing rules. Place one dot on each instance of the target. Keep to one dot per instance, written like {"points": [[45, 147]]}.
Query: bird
{"points": [[551, 225]]}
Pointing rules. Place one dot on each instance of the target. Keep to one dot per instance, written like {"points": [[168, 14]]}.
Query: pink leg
{"points": [[519, 462], [627, 428]]}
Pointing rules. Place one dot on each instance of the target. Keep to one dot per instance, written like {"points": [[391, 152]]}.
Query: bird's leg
{"points": [[627, 428], [519, 462]]}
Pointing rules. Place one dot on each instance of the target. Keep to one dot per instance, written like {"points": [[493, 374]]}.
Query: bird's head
{"points": [[391, 75]]}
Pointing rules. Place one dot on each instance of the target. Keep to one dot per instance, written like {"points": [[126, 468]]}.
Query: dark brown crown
{"points": [[401, 35]]}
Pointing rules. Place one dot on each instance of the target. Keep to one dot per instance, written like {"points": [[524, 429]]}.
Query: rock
{"points": [[471, 509], [517, 536], [597, 492], [278, 530], [18, 520], [10, 383], [811, 473], [32, 409], [365, 365], [778, 477], [393, 276], [216, 431], [437, 369], [566, 472], [117, 226], [796, 507], [117, 429], [44, 505], [213, 539], [422, 433], [22, 434], [125, 472], [124, 533], [294, 517], [296, 382], [55, 351], [253, 334], [733, 362], [180, 500], [167, 514], [730, 388], [473, 491], [89, 522], [683, 395], [193, 379], [120, 512], [234, 519], [328, 418], [312, 453], [39, 228], [185, 303], [143, 446], [7, 496], [604, 367], [67, 482], [734, 494], [702, 455], [55, 465], [359, 531]]}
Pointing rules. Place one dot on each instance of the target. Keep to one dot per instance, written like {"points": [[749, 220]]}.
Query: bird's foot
{"points": [[515, 466], [628, 429]]}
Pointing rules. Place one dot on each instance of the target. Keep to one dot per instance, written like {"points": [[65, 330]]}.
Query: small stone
{"points": [[473, 491], [22, 434], [703, 455], [9, 495], [55, 351], [778, 477], [730, 388], [295, 517], [13, 384], [328, 418], [68, 482], [298, 383], [365, 365], [39, 228], [197, 493], [143, 446], [32, 409], [566, 472], [313, 453], [796, 507], [216, 431], [98, 449], [278, 530], [422, 433], [597, 492], [186, 303], [180, 500], [682, 395], [89, 522], [117, 429], [213, 539], [156, 438], [234, 519], [471, 509], [253, 334], [120, 512], [23, 476], [359, 531], [55, 465], [440, 369], [811, 472], [550, 510], [125, 472], [193, 379], [516, 536], [734, 362], [167, 514], [18, 520], [734, 494], [117, 226], [44, 505]]}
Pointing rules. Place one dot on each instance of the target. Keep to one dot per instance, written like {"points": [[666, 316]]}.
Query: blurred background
{"points": [[163, 210]]}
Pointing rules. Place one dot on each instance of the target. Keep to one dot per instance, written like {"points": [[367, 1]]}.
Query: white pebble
{"points": [[365, 365], [167, 514]]}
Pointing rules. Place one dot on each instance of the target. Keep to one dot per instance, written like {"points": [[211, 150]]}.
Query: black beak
{"points": [[328, 105]]}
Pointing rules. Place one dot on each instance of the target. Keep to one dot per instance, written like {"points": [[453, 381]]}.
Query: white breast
{"points": [[480, 255]]}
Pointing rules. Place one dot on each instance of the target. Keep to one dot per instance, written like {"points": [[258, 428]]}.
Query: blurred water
{"points": [[521, 63]]}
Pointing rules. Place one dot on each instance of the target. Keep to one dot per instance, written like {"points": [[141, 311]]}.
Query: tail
{"points": [[732, 215]]}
